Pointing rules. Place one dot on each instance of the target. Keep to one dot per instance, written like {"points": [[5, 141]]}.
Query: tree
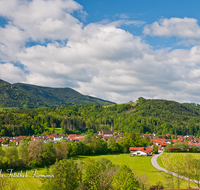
{"points": [[178, 168], [155, 149], [99, 174], [125, 179], [143, 181], [11, 154], [196, 171], [62, 150], [99, 146], [169, 177], [48, 154], [67, 175], [187, 169], [23, 152], [35, 152], [113, 146]]}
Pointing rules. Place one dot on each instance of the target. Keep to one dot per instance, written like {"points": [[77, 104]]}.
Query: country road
{"points": [[156, 165]]}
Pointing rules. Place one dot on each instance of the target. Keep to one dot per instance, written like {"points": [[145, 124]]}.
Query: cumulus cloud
{"points": [[98, 59], [11, 73], [180, 27]]}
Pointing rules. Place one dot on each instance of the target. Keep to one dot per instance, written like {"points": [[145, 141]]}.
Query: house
{"points": [[57, 136], [75, 137], [140, 151], [34, 138], [105, 133], [17, 141]]}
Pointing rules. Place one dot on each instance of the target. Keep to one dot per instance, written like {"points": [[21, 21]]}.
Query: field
{"points": [[56, 130], [170, 158], [167, 159], [27, 183], [140, 165]]}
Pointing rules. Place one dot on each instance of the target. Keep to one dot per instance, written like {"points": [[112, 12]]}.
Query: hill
{"points": [[144, 116], [30, 96]]}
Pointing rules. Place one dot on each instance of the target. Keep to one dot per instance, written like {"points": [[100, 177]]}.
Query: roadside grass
{"points": [[167, 159]]}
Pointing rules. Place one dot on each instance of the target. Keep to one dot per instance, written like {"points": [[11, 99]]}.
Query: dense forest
{"points": [[22, 96], [144, 116]]}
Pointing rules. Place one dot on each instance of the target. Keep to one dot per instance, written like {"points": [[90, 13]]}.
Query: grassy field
{"points": [[57, 130], [167, 159], [140, 165], [170, 158], [27, 183]]}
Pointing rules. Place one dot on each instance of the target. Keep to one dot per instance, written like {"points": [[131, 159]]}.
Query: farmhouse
{"points": [[140, 151]]}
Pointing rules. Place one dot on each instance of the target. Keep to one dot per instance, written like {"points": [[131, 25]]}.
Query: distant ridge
{"points": [[21, 95]]}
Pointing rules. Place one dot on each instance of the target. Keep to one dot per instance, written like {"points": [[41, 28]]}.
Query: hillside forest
{"points": [[143, 116]]}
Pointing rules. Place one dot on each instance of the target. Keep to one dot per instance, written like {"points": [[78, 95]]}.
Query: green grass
{"points": [[57, 130], [167, 159], [139, 165], [28, 183]]}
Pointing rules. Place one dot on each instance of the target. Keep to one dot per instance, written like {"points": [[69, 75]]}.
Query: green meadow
{"points": [[26, 183], [139, 165], [167, 159]]}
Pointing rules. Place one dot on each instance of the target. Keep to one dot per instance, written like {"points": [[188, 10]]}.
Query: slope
{"points": [[31, 96]]}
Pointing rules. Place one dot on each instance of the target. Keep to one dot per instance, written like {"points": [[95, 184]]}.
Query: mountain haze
{"points": [[31, 96]]}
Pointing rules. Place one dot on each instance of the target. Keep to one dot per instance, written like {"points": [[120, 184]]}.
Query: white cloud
{"points": [[98, 59], [11, 73], [180, 27]]}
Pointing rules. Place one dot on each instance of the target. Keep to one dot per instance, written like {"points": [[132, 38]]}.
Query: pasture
{"points": [[139, 165], [26, 183], [167, 159]]}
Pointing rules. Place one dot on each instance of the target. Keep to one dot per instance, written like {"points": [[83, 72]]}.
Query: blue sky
{"points": [[115, 50]]}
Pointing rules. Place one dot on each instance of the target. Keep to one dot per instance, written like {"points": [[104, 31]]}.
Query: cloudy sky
{"points": [[115, 50]]}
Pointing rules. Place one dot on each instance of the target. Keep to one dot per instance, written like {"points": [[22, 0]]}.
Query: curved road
{"points": [[156, 165]]}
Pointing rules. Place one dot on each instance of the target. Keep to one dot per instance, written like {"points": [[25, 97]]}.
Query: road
{"points": [[156, 165]]}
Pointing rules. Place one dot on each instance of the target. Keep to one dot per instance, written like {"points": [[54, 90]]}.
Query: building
{"points": [[105, 133], [140, 151]]}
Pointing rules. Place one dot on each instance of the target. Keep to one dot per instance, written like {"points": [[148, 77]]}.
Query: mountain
{"points": [[21, 95]]}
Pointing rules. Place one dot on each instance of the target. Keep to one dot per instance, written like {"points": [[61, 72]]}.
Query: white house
{"points": [[139, 153]]}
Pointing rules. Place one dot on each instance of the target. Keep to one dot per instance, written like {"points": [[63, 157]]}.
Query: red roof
{"points": [[141, 148], [50, 137]]}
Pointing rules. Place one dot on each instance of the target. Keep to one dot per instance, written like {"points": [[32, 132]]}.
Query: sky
{"points": [[111, 49]]}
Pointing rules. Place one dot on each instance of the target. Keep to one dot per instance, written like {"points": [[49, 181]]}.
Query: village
{"points": [[167, 142]]}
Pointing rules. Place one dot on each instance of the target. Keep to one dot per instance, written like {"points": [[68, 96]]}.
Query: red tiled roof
{"points": [[140, 148]]}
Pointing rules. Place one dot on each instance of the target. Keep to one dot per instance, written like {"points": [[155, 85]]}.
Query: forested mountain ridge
{"points": [[30, 96], [144, 116]]}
